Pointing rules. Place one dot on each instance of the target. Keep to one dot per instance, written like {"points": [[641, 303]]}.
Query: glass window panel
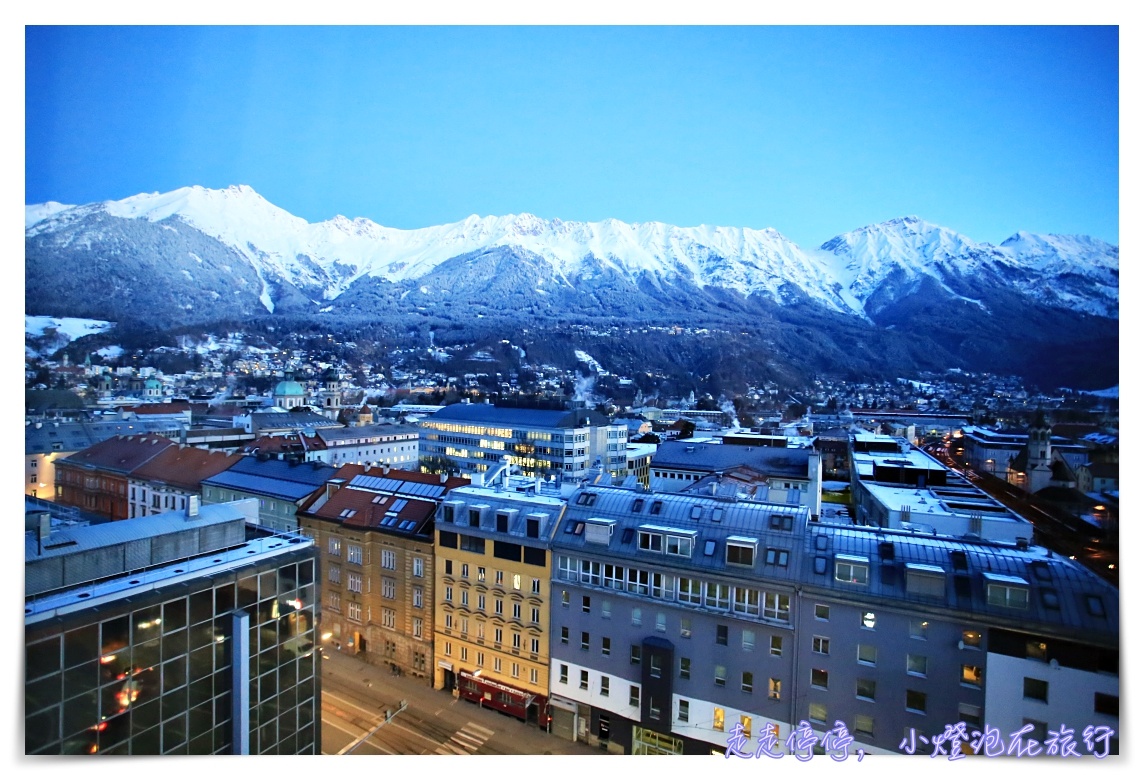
{"points": [[81, 713], [201, 692], [146, 654], [144, 715], [81, 645], [174, 673], [42, 658], [174, 644], [201, 606], [81, 679], [45, 692], [146, 624], [224, 598], [174, 615]]}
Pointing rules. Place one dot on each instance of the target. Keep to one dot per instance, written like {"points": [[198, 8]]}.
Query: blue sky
{"points": [[811, 130]]}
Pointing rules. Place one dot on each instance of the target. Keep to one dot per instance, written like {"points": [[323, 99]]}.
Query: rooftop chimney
{"points": [[192, 507], [444, 478]]}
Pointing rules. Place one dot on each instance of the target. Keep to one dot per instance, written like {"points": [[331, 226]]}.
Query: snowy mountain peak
{"points": [[326, 258]]}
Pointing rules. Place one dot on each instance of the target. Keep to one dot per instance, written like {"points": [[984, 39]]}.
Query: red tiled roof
{"points": [[119, 454], [185, 467]]}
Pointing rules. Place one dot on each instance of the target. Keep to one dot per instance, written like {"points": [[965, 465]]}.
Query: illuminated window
{"points": [[717, 719]]}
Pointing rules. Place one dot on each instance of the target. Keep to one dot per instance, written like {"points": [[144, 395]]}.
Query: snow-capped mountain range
{"points": [[860, 272]]}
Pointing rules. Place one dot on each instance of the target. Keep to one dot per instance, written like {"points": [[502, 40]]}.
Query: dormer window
{"points": [[741, 551], [650, 541], [925, 580], [1005, 591], [782, 522], [852, 569]]}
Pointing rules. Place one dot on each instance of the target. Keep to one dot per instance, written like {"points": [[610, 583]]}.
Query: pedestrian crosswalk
{"points": [[466, 741]]}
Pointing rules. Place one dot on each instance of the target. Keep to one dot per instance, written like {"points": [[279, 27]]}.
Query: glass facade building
{"points": [[213, 653]]}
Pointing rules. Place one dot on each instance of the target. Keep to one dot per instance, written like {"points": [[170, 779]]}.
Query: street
{"points": [[356, 696]]}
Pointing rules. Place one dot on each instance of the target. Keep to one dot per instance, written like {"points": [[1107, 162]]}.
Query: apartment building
{"points": [[374, 531]]}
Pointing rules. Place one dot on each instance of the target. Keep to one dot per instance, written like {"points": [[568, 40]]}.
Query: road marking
{"points": [[466, 741], [354, 736], [373, 714]]}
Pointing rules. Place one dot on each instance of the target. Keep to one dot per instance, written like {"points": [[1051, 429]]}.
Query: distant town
{"points": [[928, 564]]}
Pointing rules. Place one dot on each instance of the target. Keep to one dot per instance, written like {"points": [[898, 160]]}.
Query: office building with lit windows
{"points": [[561, 444], [180, 633], [493, 573]]}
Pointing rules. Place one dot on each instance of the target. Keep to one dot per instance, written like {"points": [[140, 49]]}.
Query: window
{"points": [[685, 627], [584, 640], [480, 574], [586, 604], [563, 635], [448, 567], [516, 640], [335, 575], [819, 678], [916, 665], [650, 541], [776, 606], [498, 606], [684, 710], [660, 621], [353, 611], [777, 557], [684, 668], [851, 569], [971, 675], [918, 628], [637, 654], [605, 609], [864, 725], [775, 688], [564, 673], [334, 546], [776, 645], [720, 675], [353, 553], [534, 647], [864, 689], [637, 616], [464, 570], [679, 545], [353, 582], [1014, 596], [417, 628], [480, 602], [418, 567], [1040, 730], [748, 639], [634, 695], [605, 685], [583, 679], [1106, 704], [971, 714], [464, 598], [535, 585], [1036, 689], [869, 619], [418, 598], [1037, 650], [500, 577], [448, 594], [718, 596], [717, 719], [820, 645], [516, 611], [335, 601], [748, 682], [817, 713], [925, 580], [867, 654], [740, 554], [606, 646], [821, 612], [465, 654], [916, 702], [535, 615], [971, 639], [720, 635], [654, 665], [782, 522]]}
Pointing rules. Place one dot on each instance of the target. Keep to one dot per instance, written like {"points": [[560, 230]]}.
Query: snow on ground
{"points": [[71, 327], [593, 364], [1112, 392]]}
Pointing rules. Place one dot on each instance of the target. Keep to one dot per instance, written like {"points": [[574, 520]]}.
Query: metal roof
{"points": [[527, 418], [782, 461]]}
